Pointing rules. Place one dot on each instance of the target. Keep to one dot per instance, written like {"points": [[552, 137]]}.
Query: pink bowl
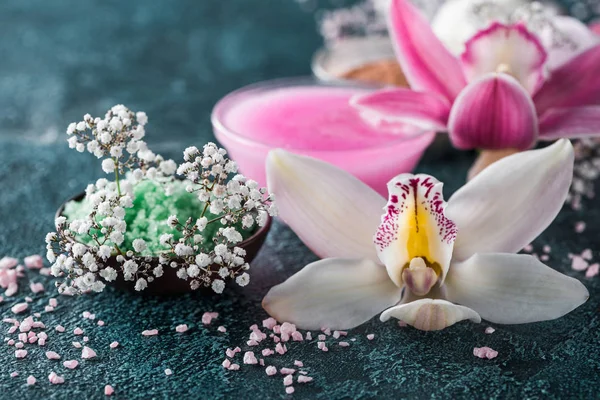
{"points": [[311, 118]]}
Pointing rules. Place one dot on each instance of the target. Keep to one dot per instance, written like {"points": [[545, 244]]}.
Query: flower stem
{"points": [[117, 176]]}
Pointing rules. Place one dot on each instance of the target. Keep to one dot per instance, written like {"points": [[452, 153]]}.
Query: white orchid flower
{"points": [[426, 262]]}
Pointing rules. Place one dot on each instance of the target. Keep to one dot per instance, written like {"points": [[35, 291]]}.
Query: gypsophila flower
{"points": [[218, 286], [243, 279], [139, 245]]}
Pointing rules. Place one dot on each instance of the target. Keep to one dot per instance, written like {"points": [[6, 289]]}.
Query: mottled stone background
{"points": [[174, 59]]}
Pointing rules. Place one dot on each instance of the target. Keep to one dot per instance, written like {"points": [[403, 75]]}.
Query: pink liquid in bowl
{"points": [[314, 120]]}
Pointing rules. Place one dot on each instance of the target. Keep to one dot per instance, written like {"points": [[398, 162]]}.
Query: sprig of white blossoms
{"points": [[117, 139]]}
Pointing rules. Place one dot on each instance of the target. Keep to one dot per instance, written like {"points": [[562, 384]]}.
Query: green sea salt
{"points": [[147, 219]]}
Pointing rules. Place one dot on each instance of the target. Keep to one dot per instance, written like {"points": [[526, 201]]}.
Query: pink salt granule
{"points": [[371, 336], [86, 314], [308, 336], [271, 370], [580, 227], [230, 353], [267, 352], [586, 254], [181, 328], [31, 380], [38, 324], [114, 345], [277, 329], [546, 249], [100, 323], [489, 330], [48, 308], [8, 262], [234, 367], [222, 329], [108, 390], [77, 345], [207, 317], [32, 339], [297, 336], [53, 302], [52, 355], [485, 352], [71, 364], [261, 362], [226, 363], [86, 339], [304, 379], [344, 344], [78, 331], [322, 337], [289, 389], [60, 328], [55, 379], [250, 358], [544, 257], [92, 317], [298, 363], [287, 371], [36, 287], [168, 372], [252, 343], [21, 353], [150, 332], [26, 324], [34, 261], [42, 342], [28, 299], [10, 342], [14, 374], [578, 263], [19, 308], [288, 380], [280, 349], [269, 323], [592, 271], [22, 337], [87, 353], [19, 345]]}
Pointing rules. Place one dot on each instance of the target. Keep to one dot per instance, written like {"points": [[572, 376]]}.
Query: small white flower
{"points": [[117, 238], [203, 260], [165, 239], [182, 273], [158, 271], [81, 126], [220, 250], [232, 235], [168, 167], [172, 221], [126, 201], [105, 137], [247, 221], [201, 223], [190, 153], [183, 250], [141, 284], [223, 272], [193, 270], [79, 249], [218, 286], [72, 142], [141, 118], [139, 245], [243, 279], [104, 252], [116, 151], [109, 274], [108, 166], [71, 128], [130, 267]]}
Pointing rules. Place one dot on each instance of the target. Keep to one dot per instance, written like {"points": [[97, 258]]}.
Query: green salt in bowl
{"points": [[169, 283]]}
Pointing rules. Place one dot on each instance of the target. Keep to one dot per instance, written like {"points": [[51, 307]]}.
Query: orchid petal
{"points": [[414, 228], [427, 64], [513, 288], [512, 201], [492, 113], [501, 48], [425, 110], [336, 293], [564, 38], [331, 211], [430, 315], [576, 83], [576, 122]]}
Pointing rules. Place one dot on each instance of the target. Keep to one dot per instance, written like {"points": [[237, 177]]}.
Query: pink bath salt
{"points": [[287, 371], [304, 379], [544, 257], [31, 380], [344, 344], [261, 362], [45, 271], [276, 339], [269, 323], [249, 358], [277, 329], [77, 345], [280, 349], [87, 353], [31, 334], [37, 315], [288, 380], [168, 372], [13, 288], [34, 262], [267, 352], [308, 336], [181, 328], [12, 329], [321, 337], [19, 345], [52, 355], [546, 249], [21, 353], [10, 342], [230, 353], [578, 263], [586, 254], [222, 329], [370, 336], [289, 389], [226, 363], [150, 332], [85, 314], [489, 330], [86, 339], [288, 328], [55, 379], [8, 262], [257, 336], [237, 350], [580, 227], [41, 342], [14, 374], [28, 299], [592, 271], [19, 308], [485, 352], [13, 321], [298, 363], [71, 364], [78, 331], [207, 317], [326, 331], [48, 308], [60, 328], [234, 367], [252, 343], [297, 336], [114, 345], [53, 302], [39, 324], [26, 324], [32, 339], [271, 370], [22, 337], [36, 287], [100, 323], [108, 390], [92, 317]]}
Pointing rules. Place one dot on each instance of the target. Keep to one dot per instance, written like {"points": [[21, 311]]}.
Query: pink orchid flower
{"points": [[425, 261], [500, 94]]}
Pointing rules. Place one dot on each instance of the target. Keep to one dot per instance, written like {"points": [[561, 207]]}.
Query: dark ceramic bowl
{"points": [[169, 283]]}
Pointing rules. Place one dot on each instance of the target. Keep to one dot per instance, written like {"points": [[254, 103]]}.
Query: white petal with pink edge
{"points": [[430, 314], [427, 64], [414, 232], [576, 122], [331, 211], [512, 201], [334, 293], [506, 48], [427, 111], [494, 112], [513, 288]]}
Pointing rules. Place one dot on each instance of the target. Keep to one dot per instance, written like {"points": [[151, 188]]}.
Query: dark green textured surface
{"points": [[175, 60]]}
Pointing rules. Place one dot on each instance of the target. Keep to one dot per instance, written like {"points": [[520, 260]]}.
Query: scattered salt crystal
{"points": [[580, 227], [485, 352], [52, 355], [298, 363], [87, 353], [249, 358], [48, 308], [33, 339], [304, 379], [60, 328], [237, 350], [8, 262], [276, 339], [222, 329], [271, 370], [21, 353], [31, 380], [78, 331], [179, 328], [321, 346], [578, 263], [546, 249], [289, 389], [36, 287], [288, 380], [71, 364], [592, 271], [150, 332], [326, 331], [85, 314], [489, 330], [544, 257], [277, 329], [108, 390], [280, 349], [77, 345], [370, 336], [269, 323], [38, 324], [22, 337], [42, 342], [28, 299], [344, 344], [14, 374], [86, 339], [37, 315], [336, 334], [252, 343], [55, 379], [10, 342], [287, 371], [226, 363], [207, 317], [261, 362], [308, 336], [19, 308], [234, 367], [92, 317], [100, 323], [34, 261], [297, 336], [114, 345], [53, 302], [168, 372], [528, 248], [230, 353], [586, 254], [322, 337], [267, 352]]}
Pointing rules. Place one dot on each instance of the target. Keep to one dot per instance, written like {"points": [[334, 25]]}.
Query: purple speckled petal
{"points": [[576, 122], [427, 64], [494, 112]]}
